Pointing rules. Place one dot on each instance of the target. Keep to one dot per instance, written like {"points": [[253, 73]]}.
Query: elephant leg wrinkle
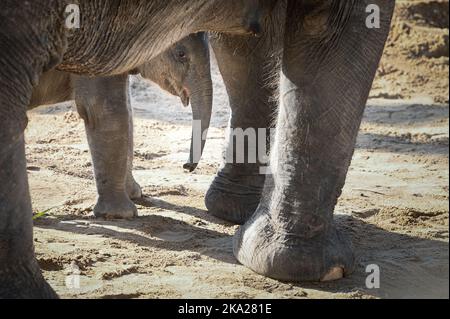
{"points": [[292, 236]]}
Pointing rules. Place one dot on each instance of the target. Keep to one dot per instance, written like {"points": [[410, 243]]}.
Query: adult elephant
{"points": [[182, 70], [114, 38], [328, 63], [329, 56]]}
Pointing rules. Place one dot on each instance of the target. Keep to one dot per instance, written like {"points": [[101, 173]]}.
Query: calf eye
{"points": [[181, 55]]}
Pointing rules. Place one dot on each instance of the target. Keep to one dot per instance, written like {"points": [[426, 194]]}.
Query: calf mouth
{"points": [[182, 92], [184, 96]]}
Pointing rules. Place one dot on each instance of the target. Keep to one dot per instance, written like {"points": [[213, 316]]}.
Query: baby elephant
{"points": [[182, 70]]}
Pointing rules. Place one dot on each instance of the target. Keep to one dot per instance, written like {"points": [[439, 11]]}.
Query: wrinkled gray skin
{"points": [[328, 62], [182, 70], [185, 71], [115, 38]]}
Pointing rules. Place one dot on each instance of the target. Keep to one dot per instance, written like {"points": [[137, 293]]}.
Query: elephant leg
{"points": [[247, 65], [134, 190], [20, 276], [104, 105], [329, 62], [23, 57]]}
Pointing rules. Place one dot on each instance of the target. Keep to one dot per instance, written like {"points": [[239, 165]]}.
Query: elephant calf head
{"points": [[184, 70]]}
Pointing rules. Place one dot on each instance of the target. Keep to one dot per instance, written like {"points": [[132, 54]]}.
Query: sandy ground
{"points": [[394, 205]]}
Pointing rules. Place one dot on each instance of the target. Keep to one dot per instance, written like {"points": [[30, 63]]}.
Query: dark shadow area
{"points": [[148, 201], [401, 145], [433, 13], [405, 113], [410, 267], [402, 116], [158, 231]]}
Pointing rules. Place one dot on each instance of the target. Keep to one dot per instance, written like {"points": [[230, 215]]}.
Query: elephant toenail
{"points": [[334, 274]]}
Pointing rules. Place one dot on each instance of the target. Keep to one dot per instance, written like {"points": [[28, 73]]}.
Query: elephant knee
{"points": [[103, 102], [83, 113], [100, 117]]}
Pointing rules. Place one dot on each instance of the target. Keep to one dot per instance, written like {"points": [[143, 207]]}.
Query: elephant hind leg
{"points": [[246, 65]]}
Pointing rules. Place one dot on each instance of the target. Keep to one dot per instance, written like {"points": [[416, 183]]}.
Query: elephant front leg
{"points": [[24, 56], [329, 63], [247, 65], [20, 276], [104, 104]]}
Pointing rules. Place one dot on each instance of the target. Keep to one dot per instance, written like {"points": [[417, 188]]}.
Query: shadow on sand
{"points": [[410, 267]]}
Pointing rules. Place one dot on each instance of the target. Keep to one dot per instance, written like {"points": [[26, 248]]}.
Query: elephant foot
{"points": [[264, 247], [234, 200], [20, 281], [115, 206], [134, 190]]}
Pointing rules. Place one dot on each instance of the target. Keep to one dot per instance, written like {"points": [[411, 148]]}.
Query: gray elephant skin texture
{"points": [[326, 58]]}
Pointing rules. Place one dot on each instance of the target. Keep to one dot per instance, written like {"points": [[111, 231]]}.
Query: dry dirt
{"points": [[394, 205]]}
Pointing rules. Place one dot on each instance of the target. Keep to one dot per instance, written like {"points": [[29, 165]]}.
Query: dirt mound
{"points": [[430, 14], [416, 53]]}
